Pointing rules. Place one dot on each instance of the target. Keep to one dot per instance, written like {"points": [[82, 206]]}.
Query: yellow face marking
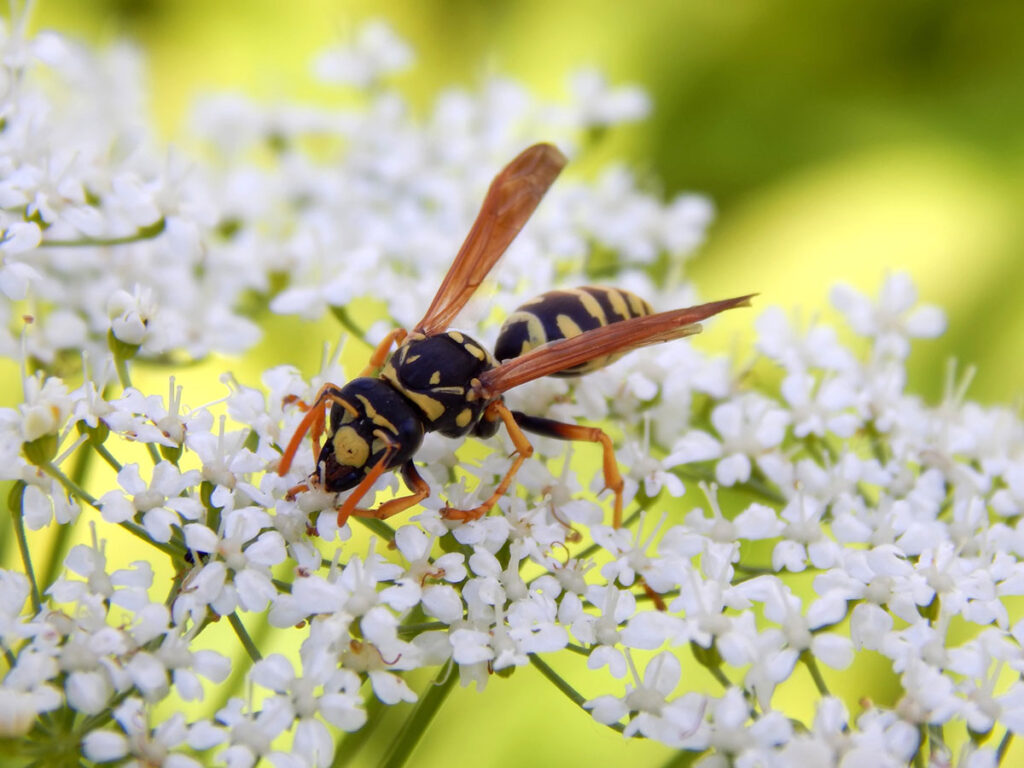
{"points": [[350, 448], [375, 415], [463, 418], [567, 326], [457, 337], [435, 378], [592, 306]]}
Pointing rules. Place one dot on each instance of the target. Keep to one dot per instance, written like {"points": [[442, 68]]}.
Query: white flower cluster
{"points": [[905, 514]]}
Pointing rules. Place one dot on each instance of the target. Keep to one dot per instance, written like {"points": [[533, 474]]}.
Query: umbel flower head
{"points": [[782, 532]]}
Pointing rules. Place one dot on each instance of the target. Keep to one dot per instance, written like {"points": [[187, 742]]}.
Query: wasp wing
{"points": [[511, 200], [610, 339]]}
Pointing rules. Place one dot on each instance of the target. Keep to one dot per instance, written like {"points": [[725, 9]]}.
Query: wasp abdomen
{"points": [[562, 314]]}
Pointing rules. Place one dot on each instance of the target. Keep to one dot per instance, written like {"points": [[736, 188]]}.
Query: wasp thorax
{"points": [[370, 422], [436, 373]]}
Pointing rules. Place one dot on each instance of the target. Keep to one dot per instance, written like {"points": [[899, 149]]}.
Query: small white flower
{"points": [[892, 321], [672, 722], [375, 51], [159, 501], [601, 105], [130, 314]]}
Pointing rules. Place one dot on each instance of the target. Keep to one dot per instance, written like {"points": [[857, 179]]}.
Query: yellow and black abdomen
{"points": [[563, 314]]}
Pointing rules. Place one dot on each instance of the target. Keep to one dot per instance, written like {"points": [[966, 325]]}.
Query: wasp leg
{"points": [[380, 354], [302, 404], [350, 504], [313, 421], [420, 491], [524, 450], [562, 431], [295, 490]]}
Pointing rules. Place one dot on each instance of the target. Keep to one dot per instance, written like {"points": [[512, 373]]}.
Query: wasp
{"points": [[440, 380]]}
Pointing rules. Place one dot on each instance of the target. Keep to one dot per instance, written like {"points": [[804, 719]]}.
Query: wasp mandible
{"points": [[440, 380]]}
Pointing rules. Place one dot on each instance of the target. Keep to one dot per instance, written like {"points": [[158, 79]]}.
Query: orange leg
{"points": [[295, 490], [420, 491], [562, 431], [313, 421], [350, 504], [380, 354], [524, 450]]}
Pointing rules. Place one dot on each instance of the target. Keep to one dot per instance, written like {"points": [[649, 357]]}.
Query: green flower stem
{"points": [[284, 587], [411, 630], [754, 486], [170, 548], [175, 589], [348, 323], [720, 677], [61, 541], [757, 487], [422, 714], [812, 667], [154, 454], [108, 457], [571, 693], [750, 572], [243, 636], [123, 376], [922, 738], [82, 461], [100, 719], [142, 233], [379, 527], [711, 660], [18, 517], [936, 738], [878, 447], [69, 485], [1004, 747], [578, 649], [818, 449]]}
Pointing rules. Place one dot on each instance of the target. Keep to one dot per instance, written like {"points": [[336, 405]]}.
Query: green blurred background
{"points": [[838, 140]]}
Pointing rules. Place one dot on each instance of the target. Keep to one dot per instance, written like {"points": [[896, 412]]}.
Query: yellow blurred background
{"points": [[837, 140]]}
